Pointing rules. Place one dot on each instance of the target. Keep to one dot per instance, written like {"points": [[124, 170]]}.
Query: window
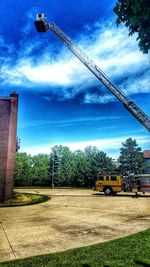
{"points": [[113, 178], [107, 178], [101, 178]]}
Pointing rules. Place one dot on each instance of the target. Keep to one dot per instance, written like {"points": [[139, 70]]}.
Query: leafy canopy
{"points": [[136, 16], [64, 167]]}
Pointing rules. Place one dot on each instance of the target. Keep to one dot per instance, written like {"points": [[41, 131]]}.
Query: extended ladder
{"points": [[142, 117]]}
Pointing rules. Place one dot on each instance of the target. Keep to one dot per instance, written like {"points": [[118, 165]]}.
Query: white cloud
{"points": [[138, 84], [95, 98], [58, 74], [111, 48], [68, 122], [111, 146]]}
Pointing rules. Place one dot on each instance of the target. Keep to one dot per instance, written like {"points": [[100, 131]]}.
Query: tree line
{"points": [[63, 167]]}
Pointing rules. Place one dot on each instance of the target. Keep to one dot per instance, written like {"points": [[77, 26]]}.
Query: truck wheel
{"points": [[108, 190]]}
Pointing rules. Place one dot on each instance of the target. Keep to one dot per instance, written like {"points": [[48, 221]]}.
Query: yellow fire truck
{"points": [[111, 184]]}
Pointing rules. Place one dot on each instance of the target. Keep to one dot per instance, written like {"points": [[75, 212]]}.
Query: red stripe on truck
{"points": [[145, 186]]}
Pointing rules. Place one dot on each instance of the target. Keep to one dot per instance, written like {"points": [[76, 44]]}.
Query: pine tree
{"points": [[131, 157]]}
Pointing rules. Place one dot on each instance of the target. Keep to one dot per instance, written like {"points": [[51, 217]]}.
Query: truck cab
{"points": [[109, 184]]}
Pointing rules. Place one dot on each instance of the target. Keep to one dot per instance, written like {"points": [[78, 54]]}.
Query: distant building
{"points": [[116, 163], [8, 128], [146, 155]]}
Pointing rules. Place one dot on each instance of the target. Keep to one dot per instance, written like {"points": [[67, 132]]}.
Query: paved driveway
{"points": [[71, 218]]}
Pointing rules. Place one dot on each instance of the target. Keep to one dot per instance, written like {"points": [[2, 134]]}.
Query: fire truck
{"points": [[113, 183]]}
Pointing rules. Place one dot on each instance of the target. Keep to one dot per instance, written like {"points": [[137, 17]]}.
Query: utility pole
{"points": [[53, 170], [55, 166]]}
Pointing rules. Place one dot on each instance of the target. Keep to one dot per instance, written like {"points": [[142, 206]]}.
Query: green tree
{"points": [[23, 169], [79, 169], [40, 170], [136, 16], [63, 175], [131, 158], [97, 161]]}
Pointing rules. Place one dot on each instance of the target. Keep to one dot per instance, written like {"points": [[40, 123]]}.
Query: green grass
{"points": [[129, 251], [23, 199]]}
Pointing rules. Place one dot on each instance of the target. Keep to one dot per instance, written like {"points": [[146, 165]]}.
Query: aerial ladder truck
{"points": [[42, 25]]}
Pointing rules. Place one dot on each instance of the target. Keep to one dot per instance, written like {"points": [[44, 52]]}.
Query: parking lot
{"points": [[71, 218]]}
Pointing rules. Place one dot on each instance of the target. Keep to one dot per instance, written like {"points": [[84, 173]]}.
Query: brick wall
{"points": [[8, 126]]}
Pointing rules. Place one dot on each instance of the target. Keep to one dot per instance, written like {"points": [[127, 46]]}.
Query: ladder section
{"points": [[127, 102]]}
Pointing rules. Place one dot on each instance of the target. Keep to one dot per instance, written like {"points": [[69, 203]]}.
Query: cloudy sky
{"points": [[60, 100]]}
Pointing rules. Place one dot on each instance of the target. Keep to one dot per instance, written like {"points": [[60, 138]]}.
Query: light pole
{"points": [[53, 164]]}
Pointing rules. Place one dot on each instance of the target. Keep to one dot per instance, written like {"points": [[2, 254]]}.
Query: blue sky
{"points": [[60, 101]]}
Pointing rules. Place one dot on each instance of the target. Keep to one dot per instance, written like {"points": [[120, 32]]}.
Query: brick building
{"points": [[8, 128]]}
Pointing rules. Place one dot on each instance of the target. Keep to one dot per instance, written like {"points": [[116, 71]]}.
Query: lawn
{"points": [[23, 199], [128, 251]]}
